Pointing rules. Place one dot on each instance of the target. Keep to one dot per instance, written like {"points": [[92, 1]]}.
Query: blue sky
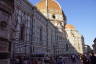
{"points": [[82, 14]]}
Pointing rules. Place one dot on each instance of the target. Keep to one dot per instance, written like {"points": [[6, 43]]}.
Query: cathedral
{"points": [[54, 13], [36, 31], [52, 10]]}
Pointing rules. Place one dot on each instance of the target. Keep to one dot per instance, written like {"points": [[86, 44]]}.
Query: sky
{"points": [[81, 14]]}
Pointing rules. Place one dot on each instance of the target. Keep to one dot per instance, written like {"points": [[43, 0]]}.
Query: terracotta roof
{"points": [[52, 5], [69, 26]]}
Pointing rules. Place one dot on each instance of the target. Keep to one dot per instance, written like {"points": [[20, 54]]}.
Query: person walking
{"points": [[84, 59], [60, 61], [92, 58], [34, 61], [73, 58]]}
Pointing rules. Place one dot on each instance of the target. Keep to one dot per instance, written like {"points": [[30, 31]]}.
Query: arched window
{"points": [[53, 16]]}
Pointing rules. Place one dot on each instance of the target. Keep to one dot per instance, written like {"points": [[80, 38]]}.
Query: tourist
{"points": [[84, 59], [60, 61], [92, 58], [73, 58]]}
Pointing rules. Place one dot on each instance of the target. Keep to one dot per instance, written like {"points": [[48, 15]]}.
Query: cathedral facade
{"points": [[53, 12], [35, 33], [35, 30]]}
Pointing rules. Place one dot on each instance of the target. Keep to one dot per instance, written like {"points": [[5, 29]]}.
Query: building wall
{"points": [[51, 36], [52, 11], [40, 36], [23, 25], [6, 30], [39, 33], [76, 41]]}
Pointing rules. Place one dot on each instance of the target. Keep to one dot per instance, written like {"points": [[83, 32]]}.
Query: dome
{"points": [[69, 26], [53, 7], [52, 10]]}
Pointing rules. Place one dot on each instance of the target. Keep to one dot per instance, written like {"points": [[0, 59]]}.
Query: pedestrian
{"points": [[34, 61], [52, 60], [19, 60], [73, 58], [60, 61], [46, 60], [39, 61], [84, 59], [16, 61], [25, 61], [92, 58]]}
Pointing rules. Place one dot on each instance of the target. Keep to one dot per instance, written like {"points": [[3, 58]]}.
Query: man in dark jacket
{"points": [[93, 58]]}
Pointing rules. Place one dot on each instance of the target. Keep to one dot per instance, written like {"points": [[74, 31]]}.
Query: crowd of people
{"points": [[82, 59], [39, 60], [88, 58]]}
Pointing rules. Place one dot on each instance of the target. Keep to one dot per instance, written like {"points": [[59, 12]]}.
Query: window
{"points": [[67, 46], [72, 34], [3, 25], [40, 34], [22, 32], [53, 16]]}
